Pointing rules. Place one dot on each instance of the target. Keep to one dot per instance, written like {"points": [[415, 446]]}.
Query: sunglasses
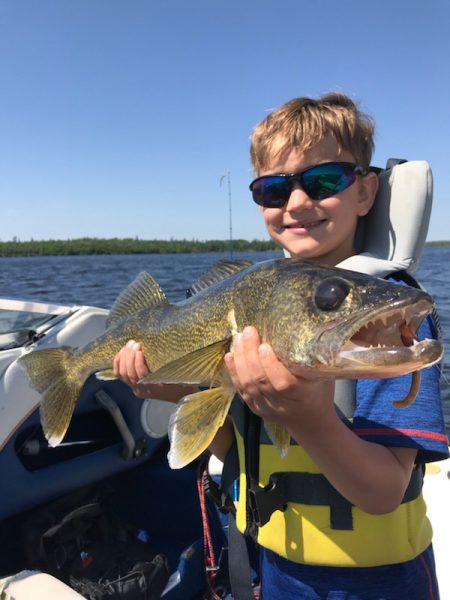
{"points": [[319, 182]]}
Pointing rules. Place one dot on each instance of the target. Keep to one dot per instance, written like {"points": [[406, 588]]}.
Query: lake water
{"points": [[97, 280]]}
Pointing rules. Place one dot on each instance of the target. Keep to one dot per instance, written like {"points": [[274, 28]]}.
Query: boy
{"points": [[381, 548]]}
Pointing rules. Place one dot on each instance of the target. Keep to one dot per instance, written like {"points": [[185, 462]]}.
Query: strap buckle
{"points": [[223, 501], [263, 501]]}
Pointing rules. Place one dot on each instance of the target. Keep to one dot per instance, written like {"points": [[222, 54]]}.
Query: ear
{"points": [[367, 192]]}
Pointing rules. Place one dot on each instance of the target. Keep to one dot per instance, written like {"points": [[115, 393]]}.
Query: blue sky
{"points": [[118, 117]]}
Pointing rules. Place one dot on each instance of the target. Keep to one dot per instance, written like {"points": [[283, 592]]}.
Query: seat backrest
{"points": [[392, 235]]}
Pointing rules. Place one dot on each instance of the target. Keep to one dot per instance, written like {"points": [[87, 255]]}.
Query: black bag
{"points": [[81, 542], [145, 580]]}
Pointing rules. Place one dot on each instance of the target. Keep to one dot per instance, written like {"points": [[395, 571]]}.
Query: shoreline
{"points": [[111, 246]]}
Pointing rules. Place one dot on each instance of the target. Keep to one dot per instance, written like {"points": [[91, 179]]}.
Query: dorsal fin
{"points": [[219, 270], [143, 292]]}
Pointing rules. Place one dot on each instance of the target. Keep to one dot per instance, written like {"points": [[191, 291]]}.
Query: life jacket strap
{"points": [[302, 488], [315, 490], [221, 499]]}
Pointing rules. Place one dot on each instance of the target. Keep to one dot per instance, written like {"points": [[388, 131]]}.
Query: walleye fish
{"points": [[321, 322]]}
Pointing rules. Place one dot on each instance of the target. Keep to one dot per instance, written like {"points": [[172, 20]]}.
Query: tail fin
{"points": [[49, 373]]}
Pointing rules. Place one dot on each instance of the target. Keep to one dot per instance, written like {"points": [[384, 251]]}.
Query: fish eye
{"points": [[331, 293]]}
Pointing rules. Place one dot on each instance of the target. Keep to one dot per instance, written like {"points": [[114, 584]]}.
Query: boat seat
{"points": [[38, 586], [391, 237]]}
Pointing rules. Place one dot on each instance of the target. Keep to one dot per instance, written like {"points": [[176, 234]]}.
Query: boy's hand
{"points": [[269, 389], [371, 476], [130, 367]]}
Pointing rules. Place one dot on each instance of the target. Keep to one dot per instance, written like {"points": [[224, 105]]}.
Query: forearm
{"points": [[371, 476], [222, 440]]}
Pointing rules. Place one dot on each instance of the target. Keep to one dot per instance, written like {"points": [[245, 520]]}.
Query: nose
{"points": [[298, 198]]}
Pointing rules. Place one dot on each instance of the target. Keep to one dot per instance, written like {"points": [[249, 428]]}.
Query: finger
{"points": [[262, 394], [121, 361], [116, 363], [130, 360], [235, 361], [231, 367], [280, 377], [292, 387], [245, 369], [255, 378], [140, 365], [245, 349]]}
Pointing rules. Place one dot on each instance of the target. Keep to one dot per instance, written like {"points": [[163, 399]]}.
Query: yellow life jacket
{"points": [[311, 522]]}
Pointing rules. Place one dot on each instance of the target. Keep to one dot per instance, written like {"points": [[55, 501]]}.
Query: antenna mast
{"points": [[230, 215]]}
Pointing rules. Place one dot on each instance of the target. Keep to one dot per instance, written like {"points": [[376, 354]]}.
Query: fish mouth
{"points": [[381, 342]]}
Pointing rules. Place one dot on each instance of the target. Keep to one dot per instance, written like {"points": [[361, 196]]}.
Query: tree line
{"points": [[83, 246]]}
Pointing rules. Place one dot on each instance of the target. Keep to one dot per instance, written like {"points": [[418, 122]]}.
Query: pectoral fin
{"points": [[195, 422], [279, 436], [202, 367]]}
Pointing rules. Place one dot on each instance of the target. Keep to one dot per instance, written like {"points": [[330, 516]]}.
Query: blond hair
{"points": [[303, 122]]}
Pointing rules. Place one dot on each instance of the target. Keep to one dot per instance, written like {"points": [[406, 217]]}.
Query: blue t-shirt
{"points": [[420, 426]]}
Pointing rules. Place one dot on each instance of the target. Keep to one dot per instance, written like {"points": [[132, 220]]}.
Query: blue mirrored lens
{"points": [[326, 180], [271, 191]]}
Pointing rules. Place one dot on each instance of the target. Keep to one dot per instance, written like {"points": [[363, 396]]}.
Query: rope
{"points": [[211, 567]]}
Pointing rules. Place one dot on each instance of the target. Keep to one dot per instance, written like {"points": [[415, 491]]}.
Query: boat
{"points": [[130, 454], [118, 439], [113, 437]]}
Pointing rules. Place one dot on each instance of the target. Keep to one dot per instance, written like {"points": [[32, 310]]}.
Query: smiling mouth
{"points": [[306, 224]]}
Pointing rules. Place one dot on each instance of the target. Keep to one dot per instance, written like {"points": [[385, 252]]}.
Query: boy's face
{"points": [[319, 230]]}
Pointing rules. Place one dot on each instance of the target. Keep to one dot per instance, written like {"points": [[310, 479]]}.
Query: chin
{"points": [[301, 252]]}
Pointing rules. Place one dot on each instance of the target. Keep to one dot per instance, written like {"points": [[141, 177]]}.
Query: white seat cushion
{"points": [[392, 236], [32, 585]]}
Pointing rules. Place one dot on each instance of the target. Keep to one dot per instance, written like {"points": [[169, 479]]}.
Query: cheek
{"points": [[342, 208], [271, 216]]}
